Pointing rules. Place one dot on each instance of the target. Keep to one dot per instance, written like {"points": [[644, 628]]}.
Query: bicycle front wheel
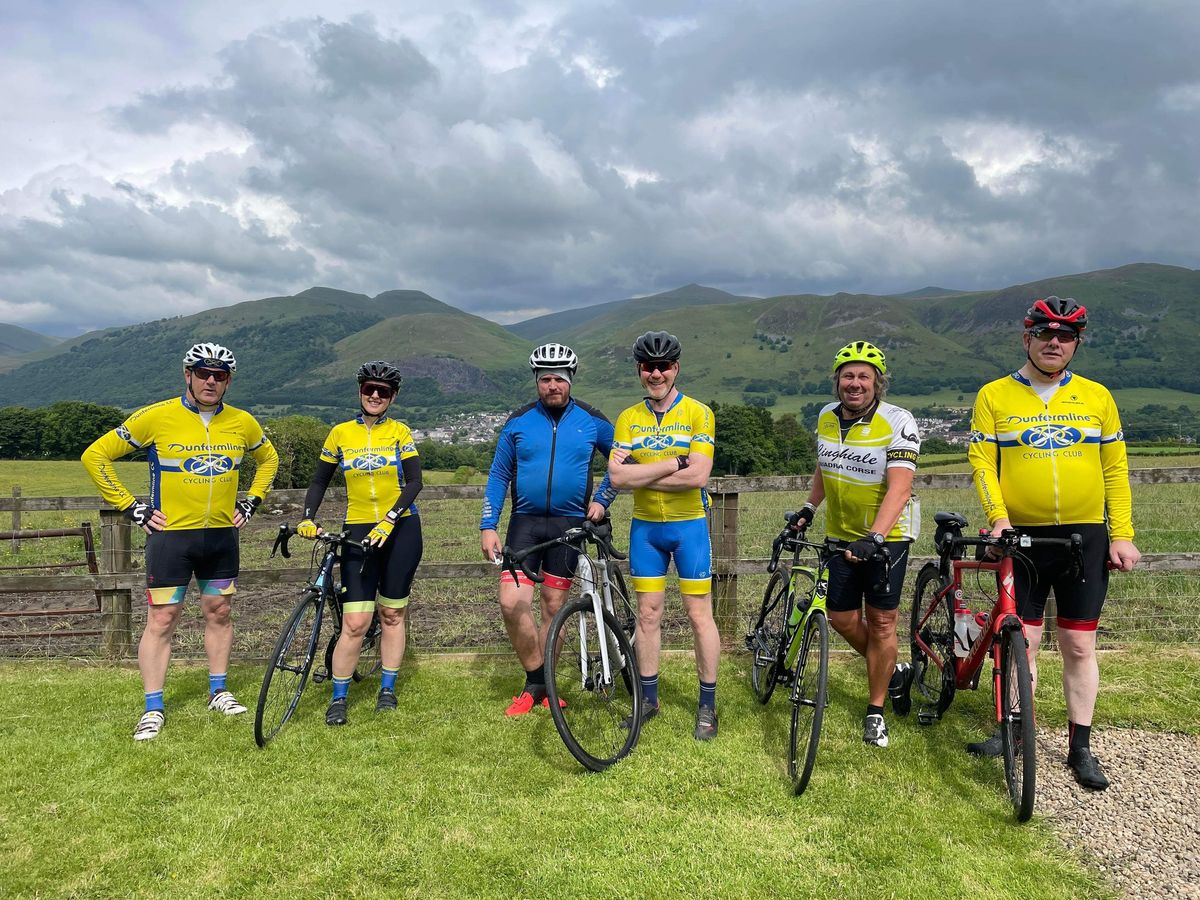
{"points": [[623, 608], [1017, 725], [810, 687], [597, 712], [932, 625], [288, 668], [764, 637]]}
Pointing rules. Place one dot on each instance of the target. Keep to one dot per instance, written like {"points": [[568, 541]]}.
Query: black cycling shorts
{"points": [[850, 584], [173, 557], [558, 561], [1079, 599], [387, 570]]}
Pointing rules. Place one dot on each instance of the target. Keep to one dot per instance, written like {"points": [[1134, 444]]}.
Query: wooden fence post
{"points": [[116, 606], [723, 532], [16, 516]]}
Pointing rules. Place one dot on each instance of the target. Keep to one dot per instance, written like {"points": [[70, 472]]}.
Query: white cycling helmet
{"points": [[210, 356], [554, 356]]}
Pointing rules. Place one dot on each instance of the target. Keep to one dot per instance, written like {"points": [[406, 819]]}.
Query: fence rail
{"points": [[118, 580]]}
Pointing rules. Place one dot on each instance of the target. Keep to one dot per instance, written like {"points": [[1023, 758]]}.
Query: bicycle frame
{"points": [[801, 611], [601, 600]]}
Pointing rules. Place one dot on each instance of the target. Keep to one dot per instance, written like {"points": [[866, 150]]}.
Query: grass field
{"points": [[447, 798]]}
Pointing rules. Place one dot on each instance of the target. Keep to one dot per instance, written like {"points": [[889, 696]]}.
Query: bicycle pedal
{"points": [[925, 717], [319, 675]]}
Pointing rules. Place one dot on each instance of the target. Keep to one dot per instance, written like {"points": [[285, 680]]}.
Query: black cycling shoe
{"points": [[990, 747], [1086, 769], [386, 701], [336, 714], [648, 713], [898, 689]]}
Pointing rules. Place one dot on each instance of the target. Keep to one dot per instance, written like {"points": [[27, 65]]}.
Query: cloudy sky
{"points": [[514, 158]]}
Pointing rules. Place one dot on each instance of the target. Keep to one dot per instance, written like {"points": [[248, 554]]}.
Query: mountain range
{"points": [[298, 353]]}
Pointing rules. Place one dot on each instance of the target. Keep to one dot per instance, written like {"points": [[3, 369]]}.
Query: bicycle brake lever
{"points": [[281, 543]]}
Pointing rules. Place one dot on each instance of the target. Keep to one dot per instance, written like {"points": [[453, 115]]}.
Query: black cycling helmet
{"points": [[1057, 312], [657, 346], [379, 370]]}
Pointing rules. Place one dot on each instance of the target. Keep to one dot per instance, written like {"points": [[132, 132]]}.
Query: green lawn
{"points": [[448, 798]]}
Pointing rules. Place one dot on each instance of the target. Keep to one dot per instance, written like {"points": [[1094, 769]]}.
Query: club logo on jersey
{"points": [[368, 462], [123, 434], [657, 442], [978, 437], [1051, 437], [208, 464]]}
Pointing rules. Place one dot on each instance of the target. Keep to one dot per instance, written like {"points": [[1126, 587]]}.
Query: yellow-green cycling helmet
{"points": [[860, 352]]}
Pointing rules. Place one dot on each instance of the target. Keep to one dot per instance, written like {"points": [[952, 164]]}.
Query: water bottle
{"points": [[964, 623], [981, 625]]}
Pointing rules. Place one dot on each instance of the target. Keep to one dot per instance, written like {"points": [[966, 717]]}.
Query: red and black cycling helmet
{"points": [[1057, 312]]}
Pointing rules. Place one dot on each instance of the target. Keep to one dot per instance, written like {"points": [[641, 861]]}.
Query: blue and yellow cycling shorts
{"points": [[653, 544]]}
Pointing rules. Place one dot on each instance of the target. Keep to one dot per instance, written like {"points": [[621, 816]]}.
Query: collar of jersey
{"points": [[1067, 376], [187, 404], [359, 419], [542, 406], [678, 400]]}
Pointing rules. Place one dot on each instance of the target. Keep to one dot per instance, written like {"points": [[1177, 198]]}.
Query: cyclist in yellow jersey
{"points": [[663, 450], [195, 444], [866, 457], [379, 460], [1048, 457]]}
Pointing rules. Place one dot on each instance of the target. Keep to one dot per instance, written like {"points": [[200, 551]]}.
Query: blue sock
{"points": [[649, 688], [216, 683], [708, 694], [154, 701], [341, 688], [387, 681]]}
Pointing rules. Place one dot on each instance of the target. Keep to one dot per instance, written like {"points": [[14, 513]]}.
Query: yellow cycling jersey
{"points": [[193, 466], [369, 457], [854, 463], [1060, 462], [687, 427]]}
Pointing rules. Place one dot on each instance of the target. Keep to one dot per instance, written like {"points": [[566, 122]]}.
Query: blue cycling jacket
{"points": [[548, 463]]}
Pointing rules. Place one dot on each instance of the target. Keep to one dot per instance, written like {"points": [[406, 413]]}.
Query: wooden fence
{"points": [[116, 583]]}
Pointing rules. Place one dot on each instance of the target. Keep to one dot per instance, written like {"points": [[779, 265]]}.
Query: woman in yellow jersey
{"points": [[866, 458], [378, 458]]}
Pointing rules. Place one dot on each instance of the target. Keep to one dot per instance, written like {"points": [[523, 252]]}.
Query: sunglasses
{"points": [[649, 368], [385, 391], [218, 375], [1045, 334]]}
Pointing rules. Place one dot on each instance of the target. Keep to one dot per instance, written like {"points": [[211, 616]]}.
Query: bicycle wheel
{"points": [[369, 662], [764, 637], [1017, 724], [288, 668], [598, 719], [809, 695], [933, 622], [623, 607]]}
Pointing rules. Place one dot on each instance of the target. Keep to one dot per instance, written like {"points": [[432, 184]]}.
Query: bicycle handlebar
{"points": [[598, 534], [1011, 541], [794, 539], [287, 531]]}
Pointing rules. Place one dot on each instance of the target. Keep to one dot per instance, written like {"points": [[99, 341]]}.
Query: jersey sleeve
{"points": [[1118, 498], [260, 447], [499, 478], [984, 456], [605, 493], [331, 452], [132, 434], [905, 446], [408, 447], [704, 431], [622, 432]]}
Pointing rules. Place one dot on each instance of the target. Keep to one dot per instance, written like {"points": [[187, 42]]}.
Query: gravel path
{"points": [[1143, 833]]}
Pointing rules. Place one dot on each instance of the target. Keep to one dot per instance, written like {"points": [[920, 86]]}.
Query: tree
{"points": [[745, 441], [20, 433], [795, 446], [69, 426]]}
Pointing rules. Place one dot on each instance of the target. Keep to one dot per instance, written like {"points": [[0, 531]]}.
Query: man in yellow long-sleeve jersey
{"points": [[195, 444]]}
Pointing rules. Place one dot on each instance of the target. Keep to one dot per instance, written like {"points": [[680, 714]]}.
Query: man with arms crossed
{"points": [[1048, 457], [544, 456], [195, 445], [664, 451], [866, 457]]}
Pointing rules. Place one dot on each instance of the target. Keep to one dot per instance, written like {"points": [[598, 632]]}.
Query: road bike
{"points": [[592, 682], [950, 643], [788, 639], [304, 633]]}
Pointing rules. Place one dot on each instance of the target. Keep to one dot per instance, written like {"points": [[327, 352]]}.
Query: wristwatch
{"points": [[682, 462], [875, 537]]}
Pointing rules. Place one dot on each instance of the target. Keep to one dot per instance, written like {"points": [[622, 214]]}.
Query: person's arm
{"points": [[411, 466], [695, 475], [500, 476], [267, 459], [984, 456], [605, 493], [899, 490], [1118, 498], [625, 475], [98, 461]]}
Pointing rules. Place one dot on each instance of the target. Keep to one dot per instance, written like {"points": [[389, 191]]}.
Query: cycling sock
{"points": [[535, 681], [154, 700], [874, 710], [1079, 735], [387, 680], [649, 688], [216, 683], [708, 694], [341, 688]]}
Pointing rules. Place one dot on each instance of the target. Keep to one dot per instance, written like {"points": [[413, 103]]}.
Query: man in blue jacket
{"points": [[544, 455]]}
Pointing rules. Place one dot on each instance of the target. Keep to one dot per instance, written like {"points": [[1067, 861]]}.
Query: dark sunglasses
{"points": [[1044, 334], [218, 375], [650, 368], [385, 391]]}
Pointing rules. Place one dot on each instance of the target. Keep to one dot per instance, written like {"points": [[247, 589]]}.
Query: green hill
{"points": [[16, 343]]}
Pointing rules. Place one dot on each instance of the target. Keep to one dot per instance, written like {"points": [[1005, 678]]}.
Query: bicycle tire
{"points": [[369, 661], [599, 723], [1018, 733], [766, 632], [287, 670], [809, 696], [935, 686], [623, 608]]}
